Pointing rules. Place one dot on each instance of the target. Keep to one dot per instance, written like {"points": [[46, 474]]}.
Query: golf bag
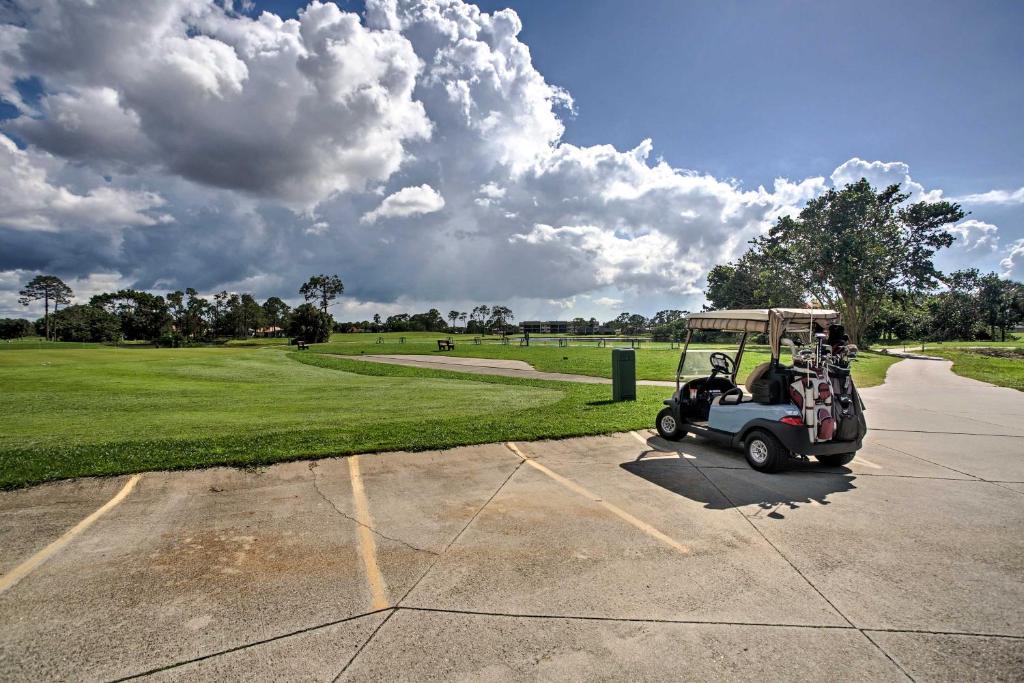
{"points": [[813, 396]]}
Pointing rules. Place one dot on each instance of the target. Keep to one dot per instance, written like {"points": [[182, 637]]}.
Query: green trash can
{"points": [[623, 375]]}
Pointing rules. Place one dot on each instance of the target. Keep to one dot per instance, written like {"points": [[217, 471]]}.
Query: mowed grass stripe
{"points": [[68, 413]]}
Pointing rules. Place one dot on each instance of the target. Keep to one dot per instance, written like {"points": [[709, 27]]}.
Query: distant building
{"points": [[545, 326]]}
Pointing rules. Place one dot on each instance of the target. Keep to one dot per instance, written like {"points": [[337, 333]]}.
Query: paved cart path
{"points": [[613, 557], [491, 366]]}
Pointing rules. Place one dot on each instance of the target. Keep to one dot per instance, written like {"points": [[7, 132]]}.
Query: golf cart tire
{"points": [[665, 420], [836, 460], [764, 452]]}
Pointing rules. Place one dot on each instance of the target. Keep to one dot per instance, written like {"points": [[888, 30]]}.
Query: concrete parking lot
{"points": [[615, 557]]}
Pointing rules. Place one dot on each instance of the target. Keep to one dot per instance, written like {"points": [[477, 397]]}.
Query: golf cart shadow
{"points": [[727, 482]]}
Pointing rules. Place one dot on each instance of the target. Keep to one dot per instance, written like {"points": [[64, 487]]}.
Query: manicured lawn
{"points": [[76, 412], [68, 410], [1006, 370], [30, 343]]}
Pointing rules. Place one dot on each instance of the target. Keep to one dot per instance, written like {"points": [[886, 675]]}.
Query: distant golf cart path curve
{"points": [[490, 366], [610, 557]]}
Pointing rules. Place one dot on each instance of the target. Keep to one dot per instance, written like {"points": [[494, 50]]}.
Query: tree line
{"points": [[180, 317], [185, 317], [483, 319]]}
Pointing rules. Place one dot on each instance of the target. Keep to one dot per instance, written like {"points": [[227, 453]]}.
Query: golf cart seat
{"points": [[756, 374]]}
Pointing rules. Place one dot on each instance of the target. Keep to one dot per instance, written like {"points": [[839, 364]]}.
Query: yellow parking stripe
{"points": [[367, 544], [677, 455], [614, 509], [867, 463], [22, 570]]}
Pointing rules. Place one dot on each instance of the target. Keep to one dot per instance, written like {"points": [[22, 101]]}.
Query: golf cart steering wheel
{"points": [[721, 364]]}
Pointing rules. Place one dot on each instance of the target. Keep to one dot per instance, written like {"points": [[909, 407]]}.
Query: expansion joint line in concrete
{"points": [[429, 568], [329, 501], [552, 617], [927, 431], [244, 646], [702, 622], [974, 477], [800, 573]]}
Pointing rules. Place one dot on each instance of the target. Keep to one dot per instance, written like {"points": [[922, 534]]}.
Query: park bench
{"points": [[445, 345]]}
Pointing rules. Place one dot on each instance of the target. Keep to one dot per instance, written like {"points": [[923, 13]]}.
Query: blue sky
{"points": [[754, 90], [474, 158]]}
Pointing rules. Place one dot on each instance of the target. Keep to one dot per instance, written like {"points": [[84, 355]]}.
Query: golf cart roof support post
{"points": [[682, 357], [776, 326], [739, 357]]}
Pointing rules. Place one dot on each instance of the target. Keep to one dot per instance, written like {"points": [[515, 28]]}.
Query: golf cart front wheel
{"points": [[836, 460], [668, 426], [764, 452]]}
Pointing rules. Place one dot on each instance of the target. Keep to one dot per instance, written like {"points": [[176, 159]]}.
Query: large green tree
{"points": [[323, 289], [49, 289], [853, 247], [501, 318], [431, 321], [753, 281], [310, 324], [189, 312], [15, 328], [243, 315], [83, 323], [143, 315], [275, 312], [1001, 302]]}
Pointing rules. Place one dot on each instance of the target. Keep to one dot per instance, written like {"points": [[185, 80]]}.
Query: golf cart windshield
{"points": [[697, 362]]}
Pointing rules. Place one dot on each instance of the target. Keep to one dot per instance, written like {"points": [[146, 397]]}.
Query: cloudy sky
{"points": [[566, 158]]}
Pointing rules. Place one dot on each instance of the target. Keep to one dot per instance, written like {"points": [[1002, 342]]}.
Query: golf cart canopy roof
{"points": [[770, 321]]}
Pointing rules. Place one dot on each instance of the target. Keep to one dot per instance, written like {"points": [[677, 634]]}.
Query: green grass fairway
{"points": [[75, 412], [869, 369], [1005, 371]]}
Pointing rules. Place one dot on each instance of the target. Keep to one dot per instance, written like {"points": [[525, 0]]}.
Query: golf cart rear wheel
{"points": [[764, 452], [668, 426], [836, 460]]}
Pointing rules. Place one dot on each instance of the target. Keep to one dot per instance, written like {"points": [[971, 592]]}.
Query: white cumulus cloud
{"points": [[295, 109], [29, 200], [994, 197], [409, 201], [974, 234], [1013, 264], [882, 174]]}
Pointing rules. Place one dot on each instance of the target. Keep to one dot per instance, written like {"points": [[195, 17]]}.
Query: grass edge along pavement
{"points": [[583, 410], [1001, 371]]}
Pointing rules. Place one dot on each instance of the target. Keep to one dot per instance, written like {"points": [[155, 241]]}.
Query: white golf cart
{"points": [[810, 407]]}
